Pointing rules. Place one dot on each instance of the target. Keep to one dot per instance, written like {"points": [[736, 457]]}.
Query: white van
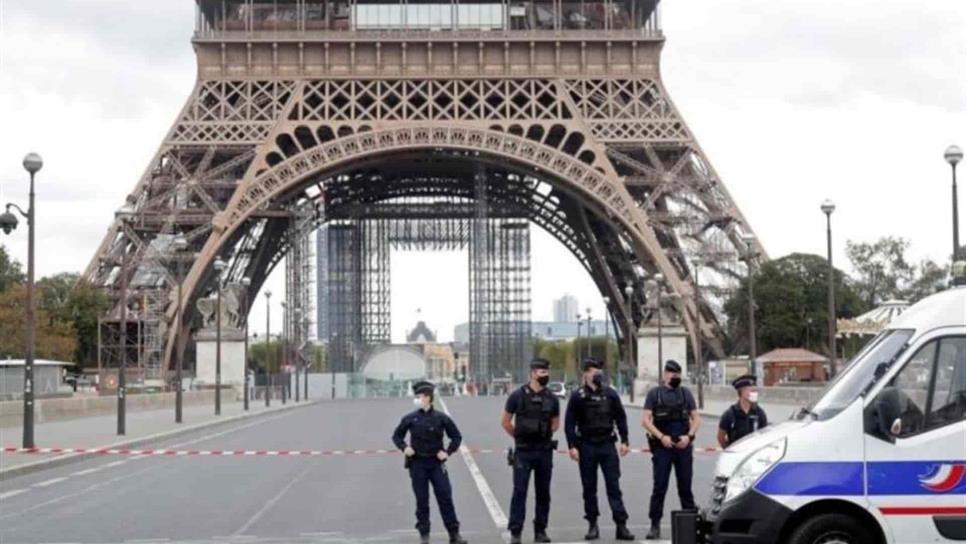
{"points": [[880, 458]]}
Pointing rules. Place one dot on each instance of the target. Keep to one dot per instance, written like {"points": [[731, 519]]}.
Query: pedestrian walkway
{"points": [[101, 431]]}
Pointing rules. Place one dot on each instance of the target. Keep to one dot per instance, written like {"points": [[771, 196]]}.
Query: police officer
{"points": [[671, 420], [425, 458], [743, 417], [531, 416], [592, 413]]}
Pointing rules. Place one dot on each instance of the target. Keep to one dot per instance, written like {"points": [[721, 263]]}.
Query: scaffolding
{"points": [[299, 280]]}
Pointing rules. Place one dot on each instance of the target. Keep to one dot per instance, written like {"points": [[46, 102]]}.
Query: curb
{"points": [[61, 460]]}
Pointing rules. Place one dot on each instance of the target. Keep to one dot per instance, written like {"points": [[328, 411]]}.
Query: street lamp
{"points": [[268, 347], [32, 163], [606, 318], [179, 246], [220, 266], [588, 333], [577, 346], [246, 283], [659, 282], [297, 334], [284, 343], [749, 240], [827, 208], [629, 354], [698, 347], [953, 155]]}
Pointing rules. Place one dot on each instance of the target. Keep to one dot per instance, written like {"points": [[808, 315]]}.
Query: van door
{"points": [[915, 443]]}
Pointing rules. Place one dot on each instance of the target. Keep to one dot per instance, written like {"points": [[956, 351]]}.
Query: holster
{"points": [[511, 457], [407, 462]]}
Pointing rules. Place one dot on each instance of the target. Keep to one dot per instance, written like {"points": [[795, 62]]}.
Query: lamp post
{"points": [[122, 369], [953, 155], [284, 343], [827, 208], [629, 348], [749, 240], [32, 163], [305, 394], [606, 318], [698, 346], [220, 265], [659, 281], [588, 332], [577, 346], [268, 347], [246, 283], [179, 246], [297, 334]]}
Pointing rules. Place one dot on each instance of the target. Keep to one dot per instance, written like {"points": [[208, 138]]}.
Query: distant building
{"points": [[421, 334], [547, 330], [790, 365], [565, 309]]}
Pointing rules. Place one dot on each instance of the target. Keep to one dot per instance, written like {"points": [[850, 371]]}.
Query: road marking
{"points": [[324, 533], [115, 464], [486, 492], [11, 493], [271, 502], [147, 540], [50, 482], [86, 472]]}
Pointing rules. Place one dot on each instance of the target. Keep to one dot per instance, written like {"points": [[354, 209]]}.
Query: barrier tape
{"points": [[259, 453]]}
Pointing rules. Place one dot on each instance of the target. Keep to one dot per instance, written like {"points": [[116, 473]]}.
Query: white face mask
{"points": [[417, 402], [753, 396], [422, 402]]}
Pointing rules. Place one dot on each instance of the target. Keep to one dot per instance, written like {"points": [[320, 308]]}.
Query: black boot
{"points": [[541, 536], [515, 538], [623, 533], [423, 538], [654, 533], [593, 533], [456, 538]]}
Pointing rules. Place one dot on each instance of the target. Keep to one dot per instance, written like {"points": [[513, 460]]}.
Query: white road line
{"points": [[86, 472], [271, 502], [50, 482], [323, 533], [11, 493], [99, 485], [147, 540], [486, 493], [115, 464]]}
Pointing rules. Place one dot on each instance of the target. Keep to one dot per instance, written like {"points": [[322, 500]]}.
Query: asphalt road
{"points": [[342, 498]]}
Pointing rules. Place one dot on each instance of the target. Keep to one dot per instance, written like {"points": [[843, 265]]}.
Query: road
{"points": [[332, 498]]}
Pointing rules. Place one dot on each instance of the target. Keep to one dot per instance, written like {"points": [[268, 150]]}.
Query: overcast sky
{"points": [[793, 101]]}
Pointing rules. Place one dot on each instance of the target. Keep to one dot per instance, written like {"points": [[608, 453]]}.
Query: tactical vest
{"points": [[596, 419], [670, 406], [742, 424], [532, 423]]}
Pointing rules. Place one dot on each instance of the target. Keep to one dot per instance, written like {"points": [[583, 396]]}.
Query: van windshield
{"points": [[884, 348]]}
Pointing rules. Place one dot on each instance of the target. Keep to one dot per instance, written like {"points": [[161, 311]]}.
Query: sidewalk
{"points": [[101, 431]]}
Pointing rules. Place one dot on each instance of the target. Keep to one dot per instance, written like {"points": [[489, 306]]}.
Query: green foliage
{"points": [[259, 353], [881, 269], [791, 297], [566, 356], [11, 273]]}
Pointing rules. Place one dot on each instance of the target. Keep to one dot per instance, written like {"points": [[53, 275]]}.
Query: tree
{"points": [[11, 273], [53, 339], [929, 278], [791, 299], [881, 268], [67, 299]]}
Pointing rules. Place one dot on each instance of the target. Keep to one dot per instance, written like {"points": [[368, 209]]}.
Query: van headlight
{"points": [[754, 467]]}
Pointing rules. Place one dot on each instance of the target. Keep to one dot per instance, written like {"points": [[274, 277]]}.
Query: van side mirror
{"points": [[896, 428]]}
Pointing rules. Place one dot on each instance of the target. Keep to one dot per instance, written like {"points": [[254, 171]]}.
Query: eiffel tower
{"points": [[303, 106]]}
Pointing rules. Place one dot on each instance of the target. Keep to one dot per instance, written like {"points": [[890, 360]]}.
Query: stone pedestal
{"points": [[674, 342], [232, 357]]}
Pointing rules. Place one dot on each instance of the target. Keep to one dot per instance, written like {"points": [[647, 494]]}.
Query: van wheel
{"points": [[831, 529]]}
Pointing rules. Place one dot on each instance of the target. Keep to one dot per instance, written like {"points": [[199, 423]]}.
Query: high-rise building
{"points": [[565, 309]]}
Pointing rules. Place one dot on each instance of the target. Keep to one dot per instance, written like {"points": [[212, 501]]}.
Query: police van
{"points": [[879, 458]]}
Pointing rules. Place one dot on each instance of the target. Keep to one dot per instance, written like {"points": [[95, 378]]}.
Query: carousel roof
{"points": [[873, 321]]}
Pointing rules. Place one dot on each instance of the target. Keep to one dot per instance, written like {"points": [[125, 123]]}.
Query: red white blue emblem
{"points": [[944, 477]]}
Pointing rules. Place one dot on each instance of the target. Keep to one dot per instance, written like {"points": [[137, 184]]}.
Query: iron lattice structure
{"points": [[562, 101]]}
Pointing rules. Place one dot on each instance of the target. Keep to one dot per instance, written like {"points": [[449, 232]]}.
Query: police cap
{"points": [[423, 388], [744, 381], [591, 362], [672, 366], [539, 364]]}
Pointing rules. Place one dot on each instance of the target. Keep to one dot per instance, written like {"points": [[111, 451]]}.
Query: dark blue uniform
{"points": [[533, 435], [426, 438], [589, 425], [671, 408], [737, 424]]}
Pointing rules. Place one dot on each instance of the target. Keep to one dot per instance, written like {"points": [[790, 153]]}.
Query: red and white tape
{"points": [[255, 453]]}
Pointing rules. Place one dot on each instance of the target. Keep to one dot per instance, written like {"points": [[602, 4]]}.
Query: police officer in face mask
{"points": [[593, 412], [426, 458], [531, 416], [671, 420], [745, 416]]}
